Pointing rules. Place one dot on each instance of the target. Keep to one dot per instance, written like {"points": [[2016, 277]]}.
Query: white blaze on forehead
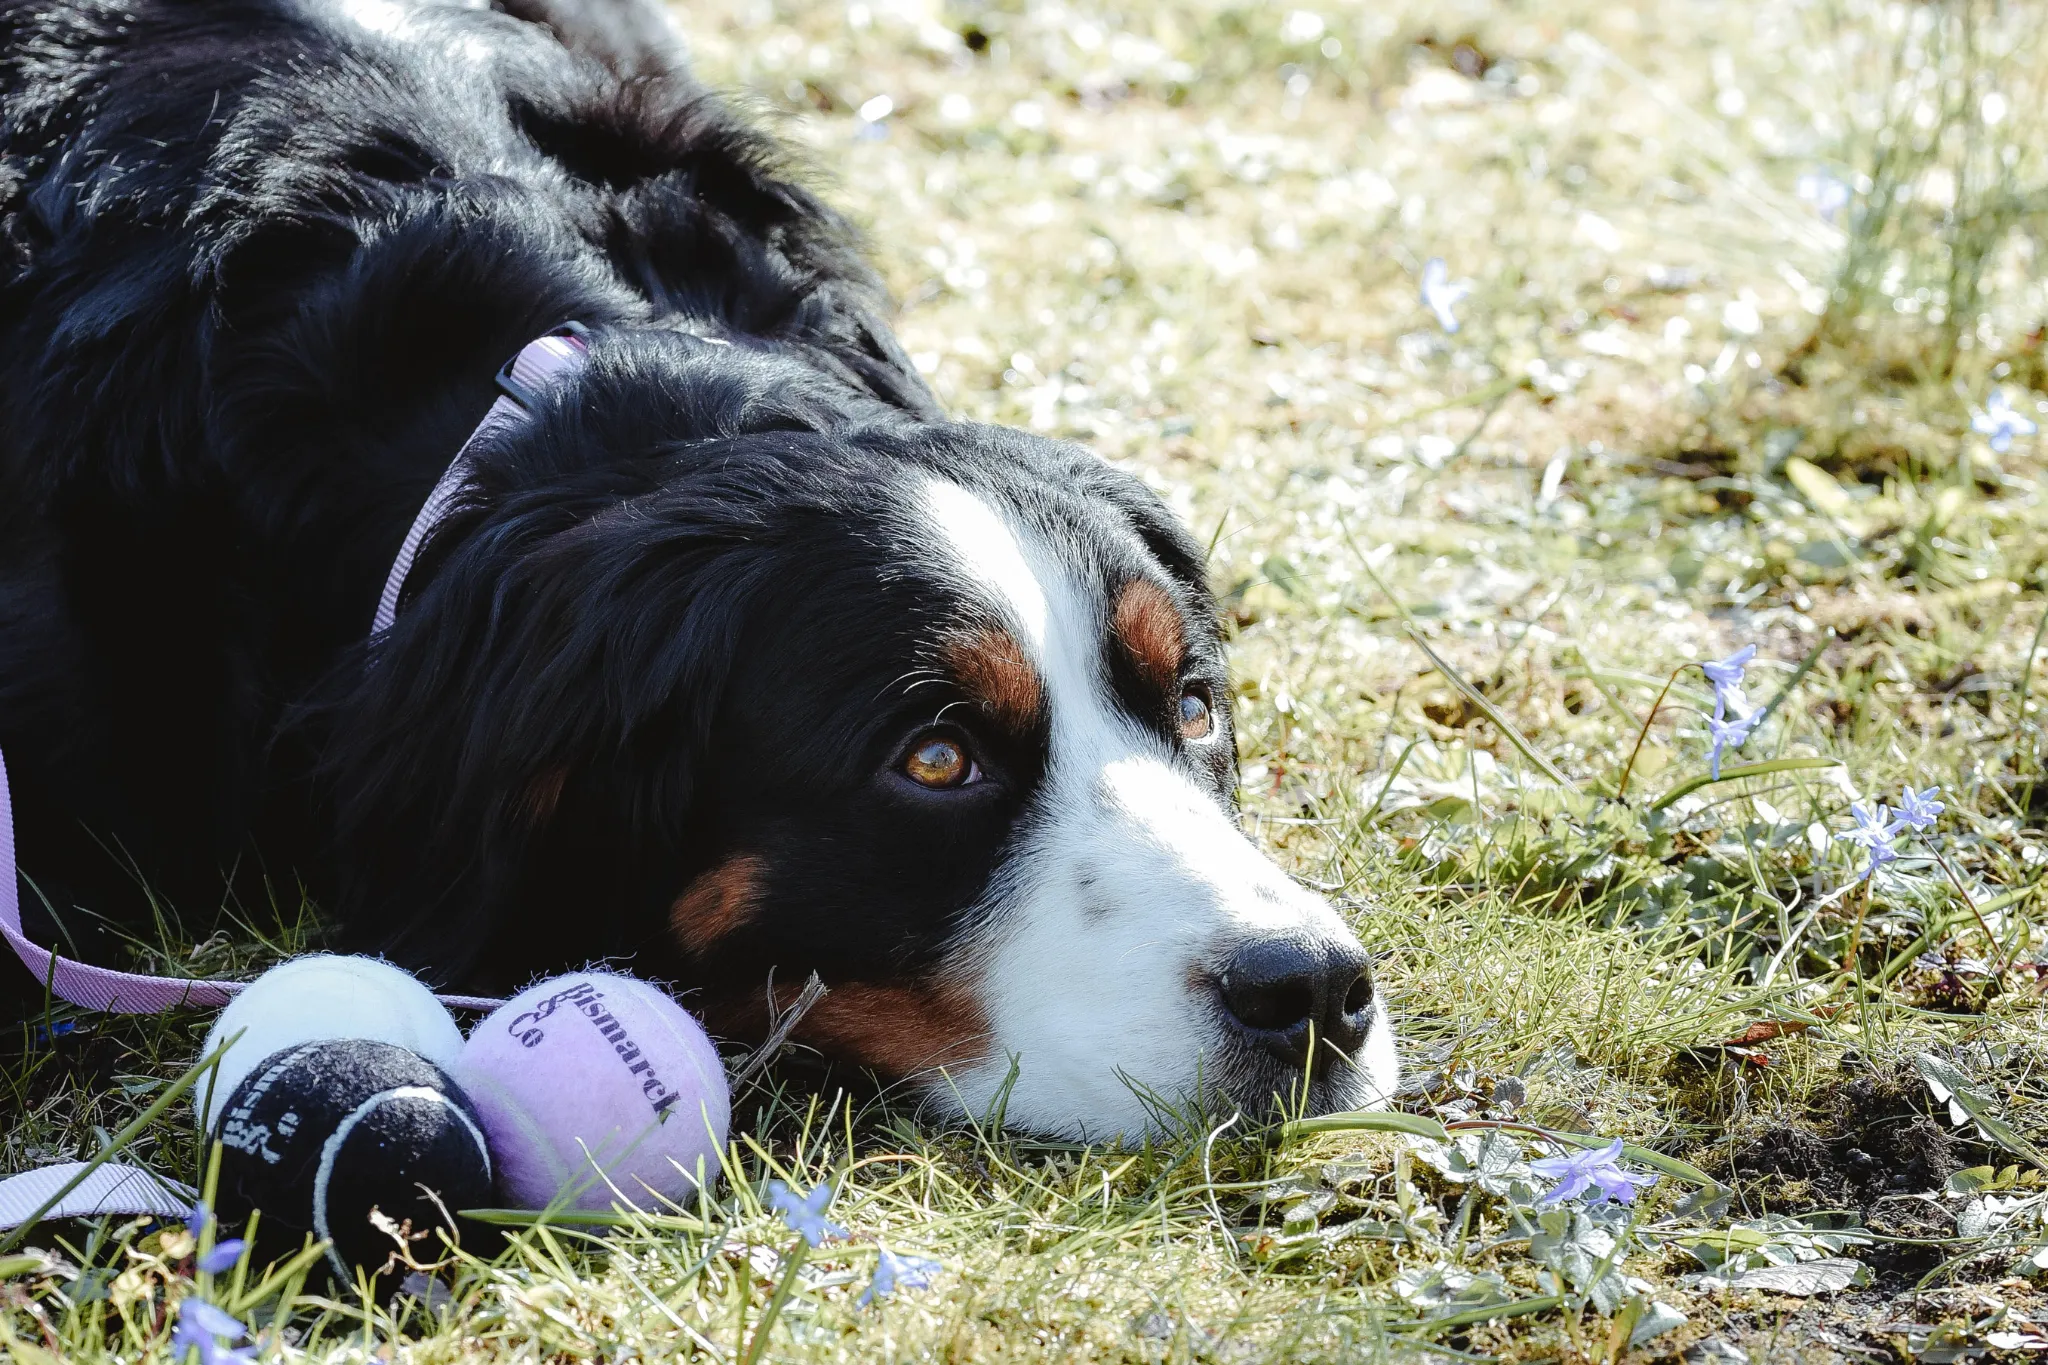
{"points": [[1129, 882], [982, 544], [1010, 566]]}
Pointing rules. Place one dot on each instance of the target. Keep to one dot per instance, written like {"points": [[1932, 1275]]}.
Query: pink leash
{"points": [[78, 1189], [539, 364], [96, 988], [102, 988]]}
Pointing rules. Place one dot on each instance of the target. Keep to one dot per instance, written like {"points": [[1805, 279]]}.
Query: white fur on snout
{"points": [[379, 16], [1114, 919], [1127, 887]]}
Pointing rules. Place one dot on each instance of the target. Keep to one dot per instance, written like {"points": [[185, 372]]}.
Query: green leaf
{"points": [[1516, 1309], [1951, 1085], [1686, 567], [1768, 766], [1362, 1121], [1725, 1241], [1820, 489], [1828, 1275], [1282, 574], [1653, 1321], [1670, 1165], [13, 1267], [1825, 554], [1972, 1179]]}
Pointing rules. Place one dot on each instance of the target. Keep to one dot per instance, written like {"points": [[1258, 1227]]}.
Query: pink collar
{"points": [[540, 364]]}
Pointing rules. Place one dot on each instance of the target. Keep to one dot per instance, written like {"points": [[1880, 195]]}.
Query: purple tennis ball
{"points": [[592, 1081]]}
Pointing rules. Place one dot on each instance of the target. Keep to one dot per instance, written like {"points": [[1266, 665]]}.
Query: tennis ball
{"points": [[323, 1134], [324, 996], [593, 1078]]}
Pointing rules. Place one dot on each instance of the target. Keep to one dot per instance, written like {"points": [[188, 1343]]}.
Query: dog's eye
{"points": [[1195, 719], [939, 763]]}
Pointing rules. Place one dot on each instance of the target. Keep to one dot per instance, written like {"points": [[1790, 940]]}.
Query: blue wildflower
{"points": [[1919, 809], [1828, 195], [1726, 734], [1998, 422], [199, 1324], [805, 1213], [895, 1272], [1726, 676], [1440, 295], [223, 1257], [1874, 832], [1576, 1172], [1728, 728]]}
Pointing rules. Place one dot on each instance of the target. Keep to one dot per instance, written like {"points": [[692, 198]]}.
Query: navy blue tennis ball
{"points": [[322, 1135]]}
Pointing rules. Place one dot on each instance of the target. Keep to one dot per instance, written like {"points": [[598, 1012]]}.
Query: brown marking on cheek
{"points": [[991, 667], [1147, 624], [715, 904], [898, 1030]]}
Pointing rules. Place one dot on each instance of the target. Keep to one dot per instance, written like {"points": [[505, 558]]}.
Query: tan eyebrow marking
{"points": [[991, 667], [1147, 624]]}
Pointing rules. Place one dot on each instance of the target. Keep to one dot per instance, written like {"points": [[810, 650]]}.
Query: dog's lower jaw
{"points": [[1111, 1106]]}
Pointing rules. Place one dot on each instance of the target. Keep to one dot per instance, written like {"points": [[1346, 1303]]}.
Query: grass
{"points": [[1685, 411]]}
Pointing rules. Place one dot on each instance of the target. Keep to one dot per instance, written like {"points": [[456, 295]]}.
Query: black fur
{"points": [[259, 269]]}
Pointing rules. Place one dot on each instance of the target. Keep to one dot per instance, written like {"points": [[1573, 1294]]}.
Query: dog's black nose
{"points": [[1282, 990]]}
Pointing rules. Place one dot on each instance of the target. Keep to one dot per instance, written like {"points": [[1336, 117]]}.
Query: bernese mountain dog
{"points": [[732, 660]]}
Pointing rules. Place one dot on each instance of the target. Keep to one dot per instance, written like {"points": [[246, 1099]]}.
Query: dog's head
{"points": [[728, 672]]}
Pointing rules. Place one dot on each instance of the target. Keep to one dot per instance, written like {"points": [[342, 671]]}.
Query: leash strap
{"points": [[539, 364], [110, 1188], [102, 988], [96, 988]]}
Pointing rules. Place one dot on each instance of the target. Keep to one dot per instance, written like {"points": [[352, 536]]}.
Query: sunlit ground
{"points": [[1730, 283]]}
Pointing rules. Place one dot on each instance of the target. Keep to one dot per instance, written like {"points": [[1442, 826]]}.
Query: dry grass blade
{"points": [[782, 1024], [1491, 712]]}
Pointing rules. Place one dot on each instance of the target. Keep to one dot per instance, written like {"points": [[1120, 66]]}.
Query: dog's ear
{"points": [[520, 752]]}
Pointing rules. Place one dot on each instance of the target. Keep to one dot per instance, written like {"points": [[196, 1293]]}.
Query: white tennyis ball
{"points": [[319, 998]]}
